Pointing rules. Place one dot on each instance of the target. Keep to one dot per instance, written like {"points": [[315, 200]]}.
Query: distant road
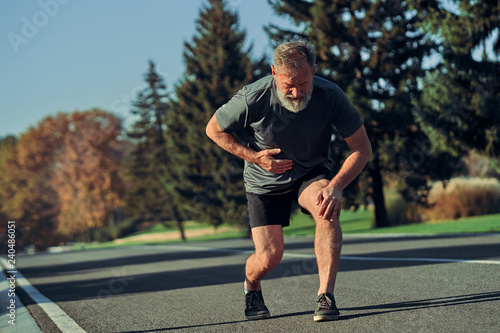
{"points": [[385, 284]]}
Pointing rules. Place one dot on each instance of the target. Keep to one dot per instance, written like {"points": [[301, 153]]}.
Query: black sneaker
{"points": [[326, 308], [255, 307]]}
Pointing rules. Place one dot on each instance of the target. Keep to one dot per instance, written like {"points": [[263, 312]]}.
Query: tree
{"points": [[206, 181], [26, 199], [461, 97], [61, 178], [27, 196], [374, 51], [148, 198], [87, 177]]}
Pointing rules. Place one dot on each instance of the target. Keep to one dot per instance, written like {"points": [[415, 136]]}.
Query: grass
{"points": [[476, 224], [157, 228], [303, 225], [359, 222]]}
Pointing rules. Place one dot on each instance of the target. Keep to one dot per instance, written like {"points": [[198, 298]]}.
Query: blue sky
{"points": [[67, 55]]}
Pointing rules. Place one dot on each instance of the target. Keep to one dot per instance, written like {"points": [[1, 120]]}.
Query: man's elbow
{"points": [[369, 151], [363, 150], [209, 131], [212, 128], [366, 151]]}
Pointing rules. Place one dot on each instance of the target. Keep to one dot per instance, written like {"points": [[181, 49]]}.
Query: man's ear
{"points": [[314, 69], [273, 70]]}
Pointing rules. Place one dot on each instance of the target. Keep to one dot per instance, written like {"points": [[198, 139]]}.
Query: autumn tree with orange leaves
{"points": [[87, 172], [62, 178]]}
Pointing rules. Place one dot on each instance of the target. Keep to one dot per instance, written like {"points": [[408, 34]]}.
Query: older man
{"points": [[289, 118]]}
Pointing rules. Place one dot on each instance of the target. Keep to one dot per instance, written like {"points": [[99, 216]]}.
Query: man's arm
{"points": [[262, 158], [330, 198]]}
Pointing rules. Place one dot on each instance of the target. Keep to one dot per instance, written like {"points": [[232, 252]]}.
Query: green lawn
{"points": [[477, 224], [361, 222], [162, 228], [302, 224]]}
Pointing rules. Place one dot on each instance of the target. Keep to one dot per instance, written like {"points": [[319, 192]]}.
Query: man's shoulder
{"points": [[325, 84], [255, 89]]}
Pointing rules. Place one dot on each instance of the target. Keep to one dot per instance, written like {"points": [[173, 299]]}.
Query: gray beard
{"points": [[295, 105]]}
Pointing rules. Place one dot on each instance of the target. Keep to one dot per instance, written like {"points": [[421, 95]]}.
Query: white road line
{"points": [[311, 256], [53, 311], [18, 321]]}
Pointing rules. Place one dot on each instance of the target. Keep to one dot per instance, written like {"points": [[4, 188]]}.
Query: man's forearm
{"points": [[350, 169], [361, 151], [263, 158], [229, 142]]}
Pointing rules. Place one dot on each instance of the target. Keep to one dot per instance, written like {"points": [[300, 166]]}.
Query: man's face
{"points": [[294, 87]]}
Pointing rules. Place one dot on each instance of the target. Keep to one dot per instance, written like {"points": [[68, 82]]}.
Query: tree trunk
{"points": [[381, 219], [181, 230]]}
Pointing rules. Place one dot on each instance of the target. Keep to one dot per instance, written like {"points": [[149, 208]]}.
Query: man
{"points": [[288, 118]]}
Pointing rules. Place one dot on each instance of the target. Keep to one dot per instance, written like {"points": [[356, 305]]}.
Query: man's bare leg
{"points": [[327, 240], [268, 241]]}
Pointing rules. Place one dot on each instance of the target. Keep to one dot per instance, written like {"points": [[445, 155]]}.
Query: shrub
{"points": [[462, 197], [400, 212]]}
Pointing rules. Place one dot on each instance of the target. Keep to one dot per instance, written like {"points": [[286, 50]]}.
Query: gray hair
{"points": [[290, 55]]}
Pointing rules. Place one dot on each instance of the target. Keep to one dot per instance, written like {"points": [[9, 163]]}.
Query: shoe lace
{"points": [[255, 300], [324, 301]]}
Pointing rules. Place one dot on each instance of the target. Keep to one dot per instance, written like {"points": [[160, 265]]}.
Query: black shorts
{"points": [[274, 209]]}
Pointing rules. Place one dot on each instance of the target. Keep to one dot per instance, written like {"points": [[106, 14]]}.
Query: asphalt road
{"points": [[385, 284]]}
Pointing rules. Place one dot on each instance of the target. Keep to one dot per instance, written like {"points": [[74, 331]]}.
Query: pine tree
{"points": [[207, 181], [461, 98], [373, 50], [148, 199]]}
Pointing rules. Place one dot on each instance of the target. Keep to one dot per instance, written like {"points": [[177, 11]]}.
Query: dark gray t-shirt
{"points": [[303, 137]]}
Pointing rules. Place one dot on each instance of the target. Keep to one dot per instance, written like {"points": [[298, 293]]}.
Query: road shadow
{"points": [[455, 252], [466, 252], [201, 326], [364, 311], [95, 264], [378, 309], [122, 284]]}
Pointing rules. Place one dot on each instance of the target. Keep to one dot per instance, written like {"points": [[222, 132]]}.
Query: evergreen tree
{"points": [[207, 181], [148, 198], [373, 50], [461, 98]]}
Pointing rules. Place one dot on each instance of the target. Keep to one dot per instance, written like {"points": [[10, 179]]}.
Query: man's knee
{"points": [[269, 258], [269, 245], [308, 199]]}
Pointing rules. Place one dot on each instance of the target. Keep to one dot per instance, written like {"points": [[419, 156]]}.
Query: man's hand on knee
{"points": [[330, 203]]}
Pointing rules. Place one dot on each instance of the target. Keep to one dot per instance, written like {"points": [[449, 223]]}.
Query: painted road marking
{"points": [[53, 311], [311, 256]]}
